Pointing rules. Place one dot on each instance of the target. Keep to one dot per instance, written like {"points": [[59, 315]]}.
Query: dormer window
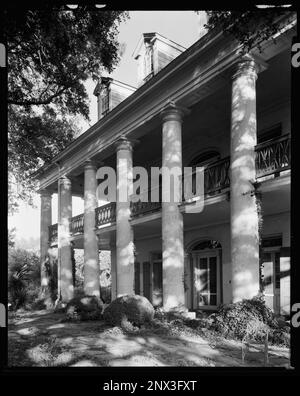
{"points": [[148, 62], [104, 97], [110, 93], [153, 53]]}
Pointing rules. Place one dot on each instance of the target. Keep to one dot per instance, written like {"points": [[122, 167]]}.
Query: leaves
{"points": [[250, 27], [51, 53]]}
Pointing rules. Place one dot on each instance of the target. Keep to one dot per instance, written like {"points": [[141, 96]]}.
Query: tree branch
{"points": [[37, 101]]}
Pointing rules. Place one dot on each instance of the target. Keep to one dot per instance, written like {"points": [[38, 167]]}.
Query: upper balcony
{"points": [[272, 158]]}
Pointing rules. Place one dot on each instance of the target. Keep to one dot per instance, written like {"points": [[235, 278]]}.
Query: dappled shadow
{"points": [[43, 339]]}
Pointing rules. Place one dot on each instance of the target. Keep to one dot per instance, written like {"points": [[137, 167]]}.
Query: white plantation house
{"points": [[206, 106]]}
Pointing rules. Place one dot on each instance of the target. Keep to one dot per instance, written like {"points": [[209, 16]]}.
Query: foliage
{"points": [[248, 317], [250, 27], [83, 307], [23, 277], [129, 308], [51, 53], [105, 279], [11, 238]]}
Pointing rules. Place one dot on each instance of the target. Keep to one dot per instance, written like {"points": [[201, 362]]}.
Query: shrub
{"points": [[23, 277], [248, 317], [83, 307], [129, 308]]}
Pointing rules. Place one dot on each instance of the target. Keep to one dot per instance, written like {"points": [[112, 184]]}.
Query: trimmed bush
{"points": [[83, 307], [134, 309], [248, 317]]}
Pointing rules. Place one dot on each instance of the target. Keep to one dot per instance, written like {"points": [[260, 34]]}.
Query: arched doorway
{"points": [[205, 266]]}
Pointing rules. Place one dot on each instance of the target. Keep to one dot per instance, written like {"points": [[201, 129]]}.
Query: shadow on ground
{"points": [[43, 339]]}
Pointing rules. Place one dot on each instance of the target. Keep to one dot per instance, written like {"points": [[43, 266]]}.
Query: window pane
{"points": [[213, 299], [203, 275], [203, 299], [267, 272]]}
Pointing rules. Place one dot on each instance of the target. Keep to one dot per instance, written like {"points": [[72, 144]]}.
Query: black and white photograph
{"points": [[148, 170]]}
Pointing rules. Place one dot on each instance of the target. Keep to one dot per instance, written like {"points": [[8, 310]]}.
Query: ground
{"points": [[43, 338]]}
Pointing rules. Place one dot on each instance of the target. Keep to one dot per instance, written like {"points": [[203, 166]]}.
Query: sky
{"points": [[179, 26]]}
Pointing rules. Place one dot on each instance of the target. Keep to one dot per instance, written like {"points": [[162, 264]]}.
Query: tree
{"points": [[250, 27], [51, 53]]}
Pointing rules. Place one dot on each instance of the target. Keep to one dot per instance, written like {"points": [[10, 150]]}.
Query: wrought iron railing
{"points": [[272, 157], [217, 176], [105, 214]]}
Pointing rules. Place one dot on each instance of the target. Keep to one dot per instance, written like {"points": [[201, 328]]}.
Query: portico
{"points": [[208, 107]]}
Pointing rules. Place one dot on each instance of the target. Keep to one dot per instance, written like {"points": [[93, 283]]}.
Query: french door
{"points": [[206, 280], [270, 268]]}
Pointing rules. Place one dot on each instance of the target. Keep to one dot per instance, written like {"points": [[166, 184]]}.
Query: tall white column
{"points": [[66, 288], [244, 217], [91, 252], [172, 221], [124, 231], [45, 222]]}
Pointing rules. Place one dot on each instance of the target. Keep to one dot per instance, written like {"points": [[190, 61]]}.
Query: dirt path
{"points": [[43, 339]]}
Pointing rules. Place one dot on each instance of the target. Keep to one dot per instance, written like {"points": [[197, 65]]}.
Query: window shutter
{"points": [[146, 279], [137, 288]]}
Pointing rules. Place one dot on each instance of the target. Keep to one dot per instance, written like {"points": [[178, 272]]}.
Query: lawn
{"points": [[43, 338]]}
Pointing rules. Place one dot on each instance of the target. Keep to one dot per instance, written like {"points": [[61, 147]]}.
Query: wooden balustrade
{"points": [[105, 214], [77, 224]]}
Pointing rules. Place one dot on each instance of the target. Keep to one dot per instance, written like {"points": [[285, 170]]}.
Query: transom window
{"points": [[208, 244]]}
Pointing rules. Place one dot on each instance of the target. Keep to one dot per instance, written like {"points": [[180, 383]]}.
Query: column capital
{"points": [[89, 164], [172, 112], [64, 180], [45, 193], [248, 65], [123, 143]]}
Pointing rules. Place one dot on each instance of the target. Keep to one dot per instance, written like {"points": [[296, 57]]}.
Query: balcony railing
{"points": [[272, 157], [216, 176], [140, 208], [105, 214], [77, 225]]}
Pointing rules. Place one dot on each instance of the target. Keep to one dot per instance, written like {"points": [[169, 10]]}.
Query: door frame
{"points": [[276, 291], [206, 253]]}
